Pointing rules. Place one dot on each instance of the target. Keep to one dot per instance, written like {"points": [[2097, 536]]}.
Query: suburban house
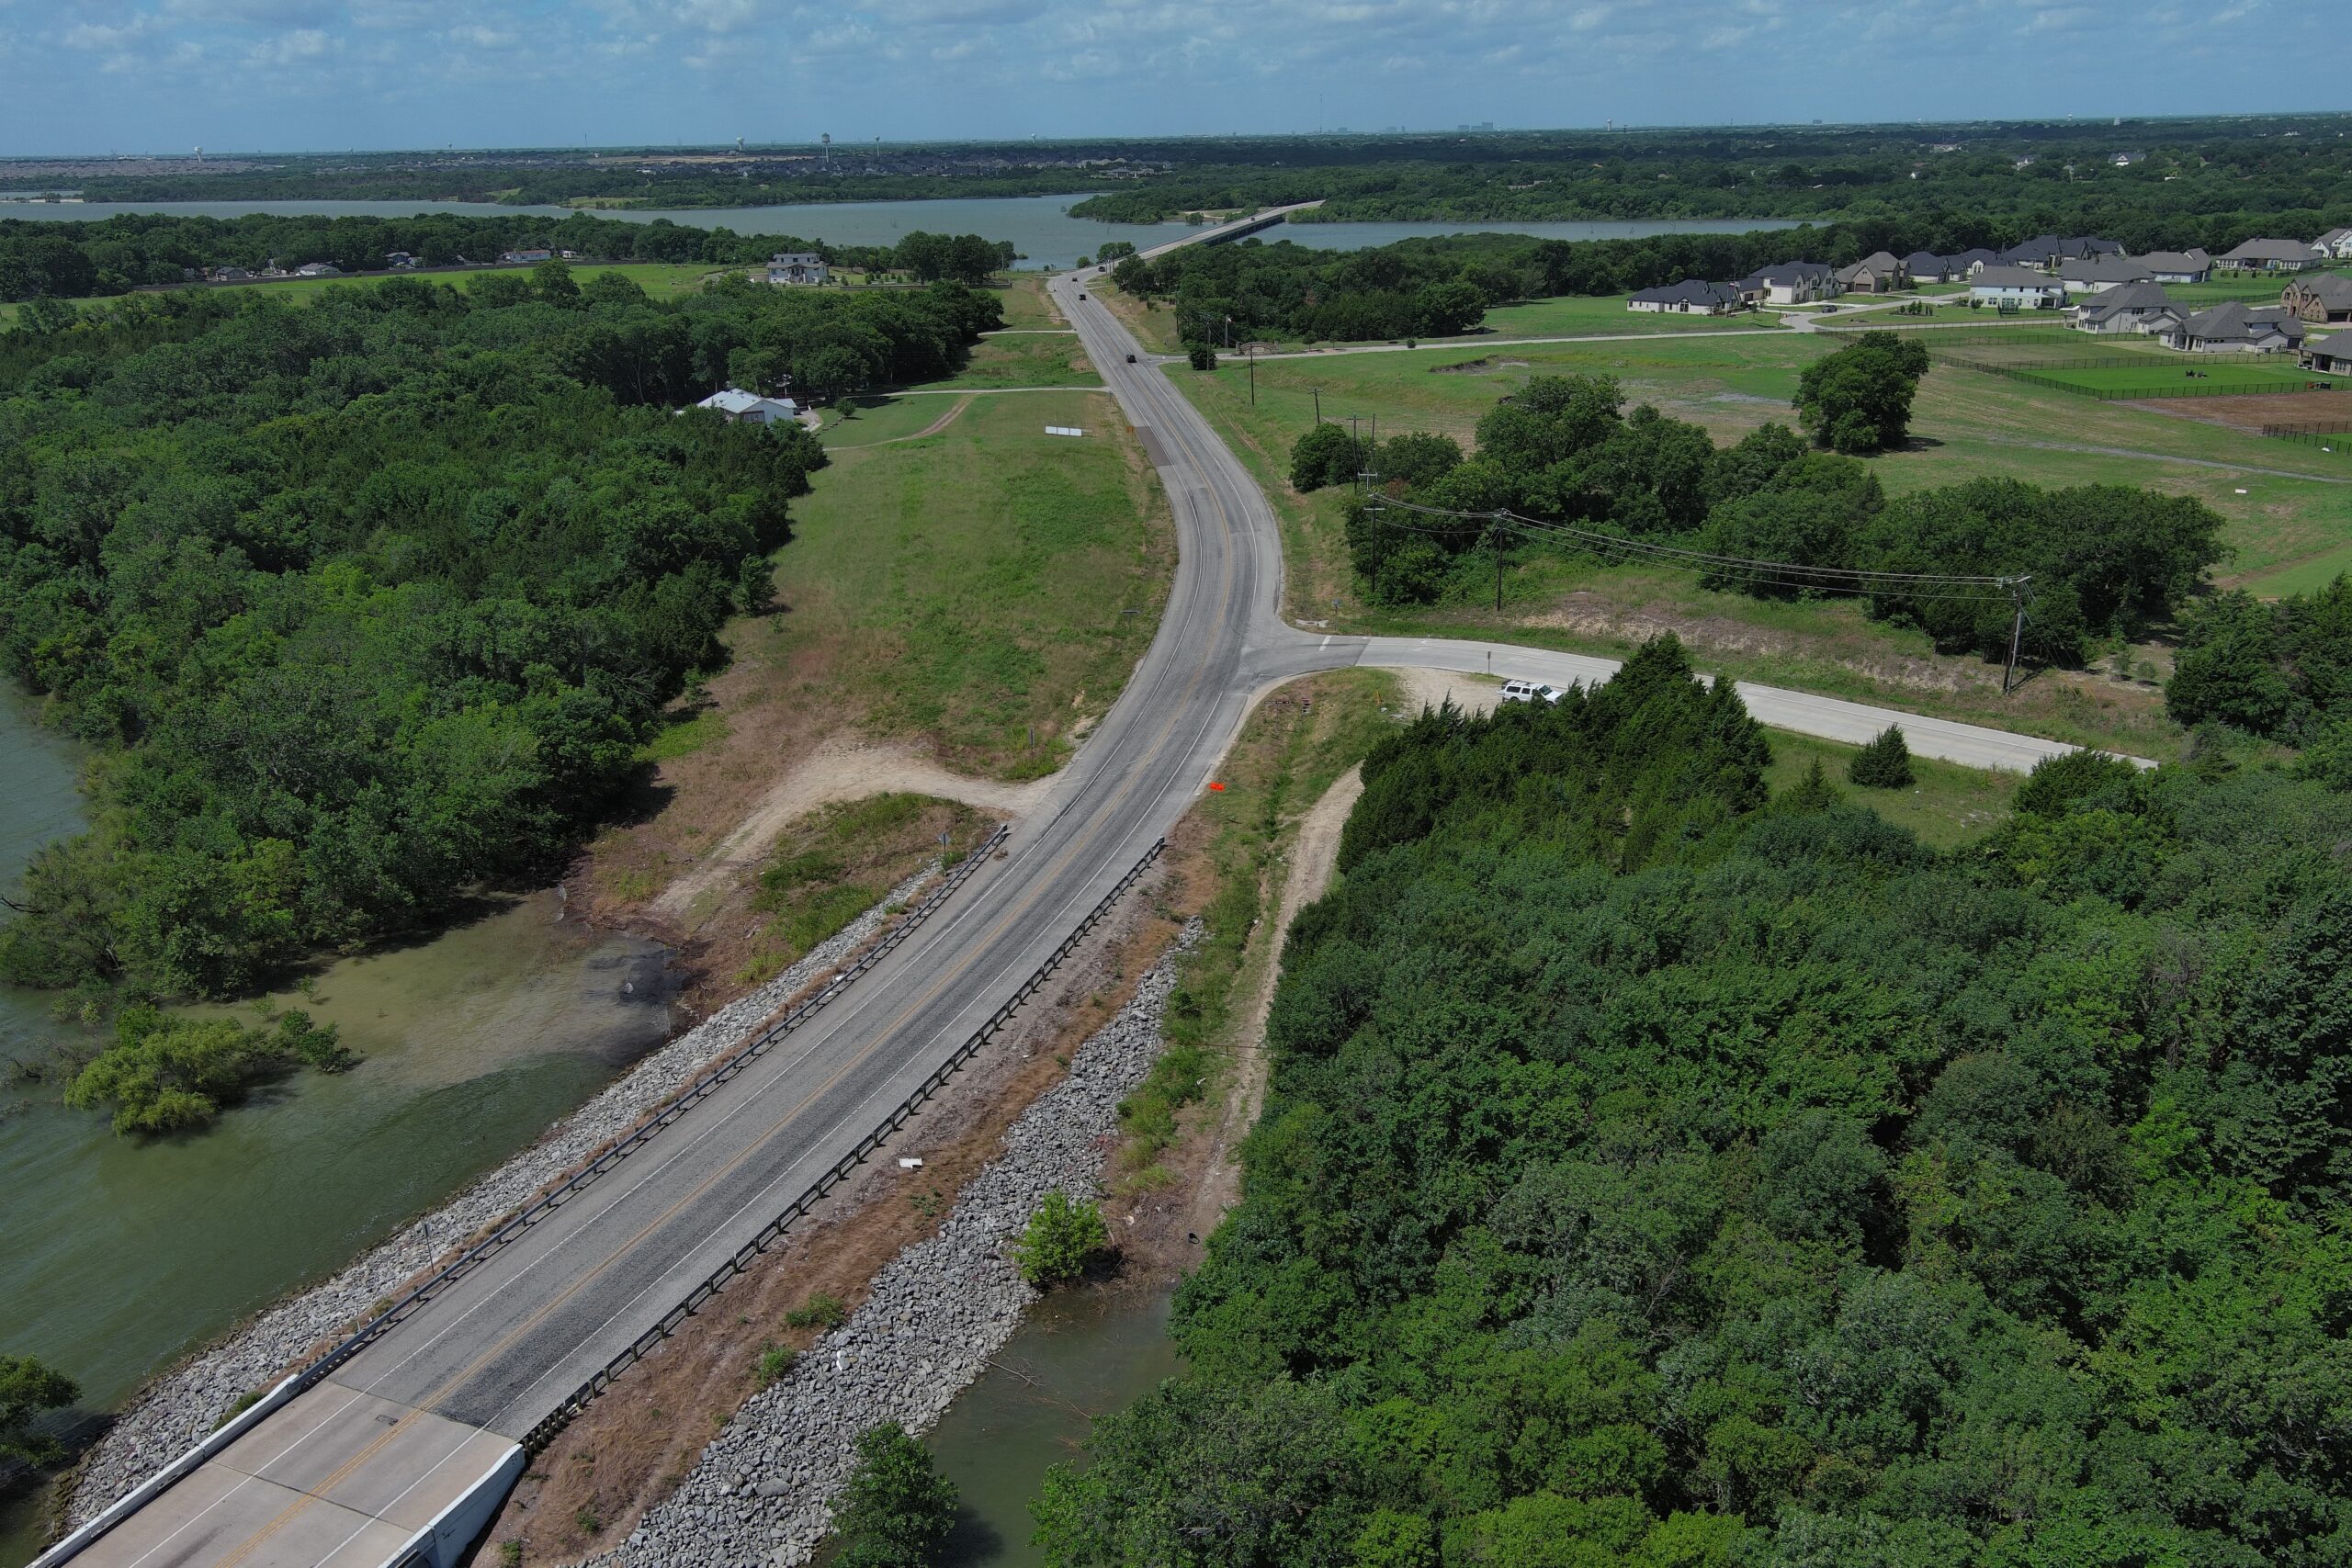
{"points": [[796, 267], [2273, 255], [1791, 283], [1877, 273], [2326, 298], [2015, 288], [317, 269], [2101, 272], [2335, 244], [2125, 160], [2046, 250], [2191, 265], [750, 408], [530, 255], [2238, 328], [231, 275], [2329, 356], [2128, 307], [1925, 266], [398, 260], [1959, 268], [1691, 296]]}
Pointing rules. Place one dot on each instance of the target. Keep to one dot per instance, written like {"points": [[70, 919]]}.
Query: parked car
{"points": [[1531, 691]]}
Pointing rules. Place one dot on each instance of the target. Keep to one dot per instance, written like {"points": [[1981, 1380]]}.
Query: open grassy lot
{"points": [[1572, 315], [972, 586], [1947, 806], [1024, 359], [870, 421], [1026, 304], [2289, 513]]}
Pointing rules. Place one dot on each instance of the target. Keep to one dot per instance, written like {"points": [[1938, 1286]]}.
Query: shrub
{"points": [[1204, 357], [821, 1311], [1064, 1236], [1884, 764], [896, 1508], [773, 1363]]}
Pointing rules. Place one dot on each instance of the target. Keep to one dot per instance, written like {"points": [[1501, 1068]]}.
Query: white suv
{"points": [[1529, 691]]}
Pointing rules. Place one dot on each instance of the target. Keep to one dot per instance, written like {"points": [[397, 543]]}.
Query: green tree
{"points": [[1859, 400], [1324, 454], [552, 281], [29, 1390], [896, 1508], [1203, 356], [1884, 764], [1064, 1238]]}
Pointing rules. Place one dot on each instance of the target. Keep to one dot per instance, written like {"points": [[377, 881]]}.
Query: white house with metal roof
{"points": [[750, 408]]}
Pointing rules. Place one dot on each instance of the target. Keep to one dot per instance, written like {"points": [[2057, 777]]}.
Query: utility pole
{"points": [[1495, 542], [1252, 351], [2017, 632], [1319, 403]]}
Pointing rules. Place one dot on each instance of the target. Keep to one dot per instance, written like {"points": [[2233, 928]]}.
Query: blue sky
{"points": [[161, 75]]}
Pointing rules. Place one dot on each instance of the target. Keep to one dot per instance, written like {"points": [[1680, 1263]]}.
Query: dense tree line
{"points": [[1420, 288], [2105, 559], [2193, 183], [2275, 668], [369, 601], [39, 259], [1653, 1175]]}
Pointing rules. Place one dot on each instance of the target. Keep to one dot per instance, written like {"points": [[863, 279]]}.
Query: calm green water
{"points": [[1040, 227], [1076, 1357], [118, 1257]]}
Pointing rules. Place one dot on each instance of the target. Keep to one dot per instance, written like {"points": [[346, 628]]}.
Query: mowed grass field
{"points": [[2286, 509], [1947, 806], [982, 583], [1023, 359]]}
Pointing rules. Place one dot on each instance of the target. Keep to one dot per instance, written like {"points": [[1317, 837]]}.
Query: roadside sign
{"points": [[1063, 430]]}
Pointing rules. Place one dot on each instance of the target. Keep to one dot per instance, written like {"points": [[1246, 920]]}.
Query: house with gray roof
{"points": [[1925, 266], [2046, 250], [2322, 296], [1877, 273], [2234, 327], [2088, 276], [1790, 283], [796, 267], [2191, 265], [2015, 288], [1692, 296], [2273, 255], [2330, 355], [2142, 308], [2335, 244], [1957, 268]]}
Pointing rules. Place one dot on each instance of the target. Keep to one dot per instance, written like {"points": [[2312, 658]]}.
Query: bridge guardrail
{"points": [[524, 1219], [749, 1252]]}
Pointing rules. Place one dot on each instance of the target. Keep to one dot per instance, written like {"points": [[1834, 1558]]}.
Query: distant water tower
{"points": [[739, 145], [200, 154], [827, 142]]}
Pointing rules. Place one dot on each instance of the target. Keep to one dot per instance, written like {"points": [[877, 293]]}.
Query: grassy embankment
{"points": [[978, 594], [1300, 740], [2288, 526]]}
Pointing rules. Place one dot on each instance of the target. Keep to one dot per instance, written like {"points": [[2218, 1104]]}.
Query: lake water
{"points": [[1040, 227], [116, 1257]]}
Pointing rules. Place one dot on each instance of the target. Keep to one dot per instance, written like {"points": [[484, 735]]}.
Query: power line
{"points": [[1920, 587]]}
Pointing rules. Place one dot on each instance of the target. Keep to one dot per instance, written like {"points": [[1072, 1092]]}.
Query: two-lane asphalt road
{"points": [[408, 1429]]}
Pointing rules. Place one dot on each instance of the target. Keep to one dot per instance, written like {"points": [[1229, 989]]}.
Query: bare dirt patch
{"points": [[1592, 615], [1314, 860], [631, 1449], [840, 768], [2253, 413]]}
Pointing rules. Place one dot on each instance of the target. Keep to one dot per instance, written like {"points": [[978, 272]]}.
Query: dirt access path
{"points": [[840, 768], [933, 428], [1314, 858]]}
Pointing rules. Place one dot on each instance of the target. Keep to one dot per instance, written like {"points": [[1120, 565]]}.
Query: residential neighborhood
{"points": [[2101, 289]]}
